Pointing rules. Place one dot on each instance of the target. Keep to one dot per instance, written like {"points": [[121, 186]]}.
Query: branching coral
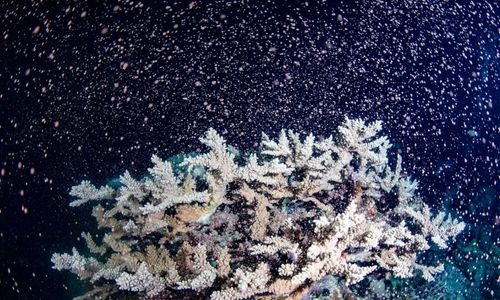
{"points": [[298, 210]]}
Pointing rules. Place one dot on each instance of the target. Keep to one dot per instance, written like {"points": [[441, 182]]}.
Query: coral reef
{"points": [[268, 225]]}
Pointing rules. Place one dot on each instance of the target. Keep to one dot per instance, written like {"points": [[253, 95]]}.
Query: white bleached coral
{"points": [[141, 281], [165, 188], [219, 158], [86, 191], [302, 209], [82, 266], [439, 228]]}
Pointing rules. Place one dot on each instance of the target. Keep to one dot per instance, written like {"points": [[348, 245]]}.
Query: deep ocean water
{"points": [[89, 89]]}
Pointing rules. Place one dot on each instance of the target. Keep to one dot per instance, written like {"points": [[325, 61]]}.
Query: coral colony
{"points": [[269, 225]]}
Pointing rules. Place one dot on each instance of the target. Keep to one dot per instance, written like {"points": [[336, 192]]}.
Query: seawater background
{"points": [[91, 88]]}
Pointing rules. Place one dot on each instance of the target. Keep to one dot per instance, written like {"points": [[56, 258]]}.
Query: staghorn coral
{"points": [[295, 212]]}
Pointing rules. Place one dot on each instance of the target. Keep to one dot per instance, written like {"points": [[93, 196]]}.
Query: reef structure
{"points": [[267, 225]]}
